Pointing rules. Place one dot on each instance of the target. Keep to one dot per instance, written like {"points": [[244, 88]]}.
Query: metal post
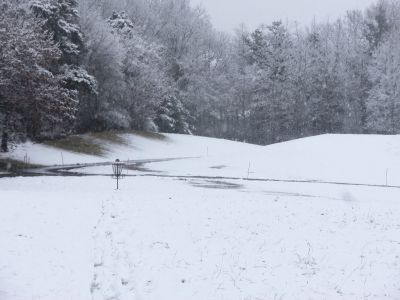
{"points": [[117, 168]]}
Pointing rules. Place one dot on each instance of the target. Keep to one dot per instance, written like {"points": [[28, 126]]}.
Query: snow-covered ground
{"points": [[338, 158], [207, 238]]}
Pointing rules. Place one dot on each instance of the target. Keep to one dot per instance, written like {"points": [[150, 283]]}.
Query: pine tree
{"points": [[272, 113], [34, 99], [144, 70], [172, 117], [383, 102], [377, 24], [61, 19], [104, 57]]}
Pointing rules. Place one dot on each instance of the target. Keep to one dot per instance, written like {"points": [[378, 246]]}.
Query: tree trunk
{"points": [[4, 142]]}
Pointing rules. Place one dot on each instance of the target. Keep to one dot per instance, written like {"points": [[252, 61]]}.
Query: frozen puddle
{"points": [[214, 184]]}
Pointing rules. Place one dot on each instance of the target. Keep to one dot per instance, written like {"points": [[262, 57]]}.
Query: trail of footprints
{"points": [[113, 275]]}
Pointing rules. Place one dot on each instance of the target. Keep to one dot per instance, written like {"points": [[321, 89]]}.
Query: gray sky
{"points": [[228, 14]]}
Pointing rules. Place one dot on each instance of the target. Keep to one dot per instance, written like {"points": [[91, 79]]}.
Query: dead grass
{"points": [[110, 136], [10, 165], [91, 143], [149, 135], [78, 144]]}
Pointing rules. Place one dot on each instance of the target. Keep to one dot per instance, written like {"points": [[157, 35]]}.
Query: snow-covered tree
{"points": [[384, 98], [323, 90], [142, 69], [104, 59], [61, 19], [272, 111], [34, 100], [377, 23], [145, 72], [172, 117]]}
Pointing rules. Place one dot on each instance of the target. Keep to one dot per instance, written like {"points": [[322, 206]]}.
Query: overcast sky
{"points": [[228, 14]]}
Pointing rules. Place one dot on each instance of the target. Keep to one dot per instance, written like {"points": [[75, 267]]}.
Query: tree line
{"points": [[74, 66]]}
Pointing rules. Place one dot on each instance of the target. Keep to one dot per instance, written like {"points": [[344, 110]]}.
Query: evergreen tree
{"points": [[383, 102], [377, 24], [34, 101], [172, 117], [61, 19], [272, 113]]}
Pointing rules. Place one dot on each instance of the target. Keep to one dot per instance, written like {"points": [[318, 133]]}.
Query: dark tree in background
{"points": [[172, 117], [4, 142]]}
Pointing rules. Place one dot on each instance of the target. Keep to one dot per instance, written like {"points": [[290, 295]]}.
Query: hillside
{"points": [[338, 158]]}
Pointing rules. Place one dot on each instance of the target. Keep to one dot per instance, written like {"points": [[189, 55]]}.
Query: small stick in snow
{"points": [[387, 176]]}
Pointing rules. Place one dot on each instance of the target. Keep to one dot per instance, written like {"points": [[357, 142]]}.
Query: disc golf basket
{"points": [[118, 168]]}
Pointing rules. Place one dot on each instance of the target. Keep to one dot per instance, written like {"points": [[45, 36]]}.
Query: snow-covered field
{"points": [[179, 237]]}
